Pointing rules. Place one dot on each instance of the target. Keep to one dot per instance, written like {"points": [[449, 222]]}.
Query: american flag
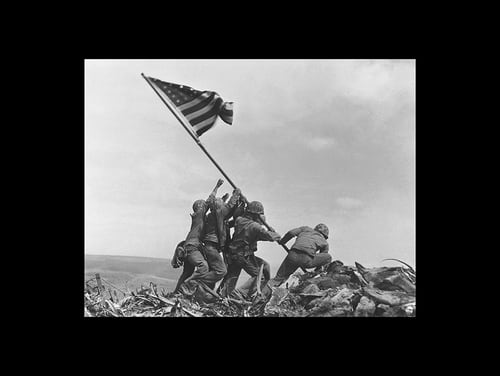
{"points": [[199, 108]]}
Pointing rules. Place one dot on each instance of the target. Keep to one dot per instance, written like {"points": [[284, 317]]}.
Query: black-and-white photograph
{"points": [[249, 188]]}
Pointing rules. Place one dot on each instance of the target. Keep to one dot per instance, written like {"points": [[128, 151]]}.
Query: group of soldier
{"points": [[210, 254]]}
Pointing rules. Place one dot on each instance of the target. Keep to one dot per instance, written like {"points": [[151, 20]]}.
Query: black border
{"points": [[71, 254]]}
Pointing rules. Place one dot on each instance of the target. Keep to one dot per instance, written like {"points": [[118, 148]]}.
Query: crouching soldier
{"points": [[248, 230], [302, 254]]}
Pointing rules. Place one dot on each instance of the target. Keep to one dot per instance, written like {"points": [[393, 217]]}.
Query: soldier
{"points": [[248, 230], [215, 235], [193, 246], [303, 253]]}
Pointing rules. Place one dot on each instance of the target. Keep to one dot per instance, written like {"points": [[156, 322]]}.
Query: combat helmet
{"points": [[322, 229], [198, 204], [255, 207]]}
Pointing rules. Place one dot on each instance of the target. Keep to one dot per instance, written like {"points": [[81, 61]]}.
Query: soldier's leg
{"points": [[267, 271], [196, 258], [250, 286], [319, 259], [231, 277], [216, 265], [251, 265], [289, 265]]}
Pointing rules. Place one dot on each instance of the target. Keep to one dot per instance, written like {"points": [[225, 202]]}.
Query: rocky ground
{"points": [[336, 291]]}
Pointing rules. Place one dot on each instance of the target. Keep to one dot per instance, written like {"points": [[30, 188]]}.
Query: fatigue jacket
{"points": [[308, 240], [246, 235], [197, 225], [216, 220]]}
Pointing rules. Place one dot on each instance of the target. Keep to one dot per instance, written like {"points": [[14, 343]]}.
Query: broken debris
{"points": [[336, 290]]}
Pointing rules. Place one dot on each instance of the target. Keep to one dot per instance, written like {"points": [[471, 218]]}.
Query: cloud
{"points": [[349, 202], [382, 228], [320, 143]]}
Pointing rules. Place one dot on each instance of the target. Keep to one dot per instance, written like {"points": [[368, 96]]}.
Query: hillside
{"points": [[130, 272]]}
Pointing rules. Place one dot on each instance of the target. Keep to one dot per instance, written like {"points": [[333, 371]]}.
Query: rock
{"points": [[406, 310], [292, 281], [279, 294], [410, 309], [394, 312], [365, 308], [391, 298], [311, 289], [380, 309], [388, 278], [400, 282], [272, 308], [337, 305], [334, 281]]}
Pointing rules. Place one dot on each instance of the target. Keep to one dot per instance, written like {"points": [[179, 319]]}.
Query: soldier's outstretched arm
{"points": [[217, 186], [266, 235], [227, 208], [211, 203], [290, 234]]}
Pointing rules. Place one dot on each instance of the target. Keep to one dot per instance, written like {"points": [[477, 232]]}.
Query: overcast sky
{"points": [[329, 141]]}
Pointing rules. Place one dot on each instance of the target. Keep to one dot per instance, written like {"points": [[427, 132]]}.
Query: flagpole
{"points": [[188, 130]]}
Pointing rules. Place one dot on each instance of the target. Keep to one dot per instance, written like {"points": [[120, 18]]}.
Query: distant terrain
{"points": [[130, 272], [127, 272]]}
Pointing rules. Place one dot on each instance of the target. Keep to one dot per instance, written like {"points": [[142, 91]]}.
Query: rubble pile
{"points": [[336, 290]]}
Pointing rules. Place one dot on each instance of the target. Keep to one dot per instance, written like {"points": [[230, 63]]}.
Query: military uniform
{"points": [[215, 224], [193, 246], [303, 252], [247, 233]]}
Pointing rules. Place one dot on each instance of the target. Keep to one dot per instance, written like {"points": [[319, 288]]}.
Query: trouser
{"points": [[195, 257], [250, 264], [294, 260], [216, 265]]}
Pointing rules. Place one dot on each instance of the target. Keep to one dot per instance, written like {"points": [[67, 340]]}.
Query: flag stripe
{"points": [[201, 98], [213, 111], [201, 111], [204, 123]]}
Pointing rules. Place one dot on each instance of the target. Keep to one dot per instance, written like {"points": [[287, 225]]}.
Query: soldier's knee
{"points": [[221, 271], [202, 267]]}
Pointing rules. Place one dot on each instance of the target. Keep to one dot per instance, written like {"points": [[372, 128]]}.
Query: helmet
{"points": [[255, 207], [198, 204], [322, 229]]}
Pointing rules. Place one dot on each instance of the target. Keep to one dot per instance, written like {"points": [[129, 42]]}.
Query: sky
{"points": [[316, 141]]}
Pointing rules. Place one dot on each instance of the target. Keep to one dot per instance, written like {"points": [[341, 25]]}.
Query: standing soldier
{"points": [[215, 235], [248, 230], [303, 253]]}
